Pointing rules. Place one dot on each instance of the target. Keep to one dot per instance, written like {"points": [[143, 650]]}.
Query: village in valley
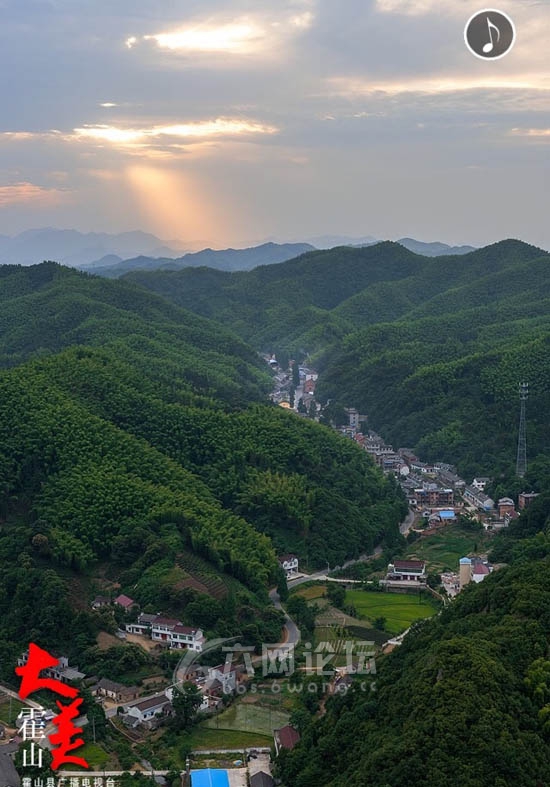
{"points": [[436, 495], [243, 715]]}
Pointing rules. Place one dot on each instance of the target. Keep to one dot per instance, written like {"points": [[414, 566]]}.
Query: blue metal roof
{"points": [[209, 777], [465, 560], [447, 514]]}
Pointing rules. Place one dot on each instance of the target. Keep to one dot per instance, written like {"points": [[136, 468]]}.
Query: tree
{"points": [[380, 623], [186, 703], [336, 594], [434, 580], [282, 587]]}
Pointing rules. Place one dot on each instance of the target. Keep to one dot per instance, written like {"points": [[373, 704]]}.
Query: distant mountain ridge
{"points": [[434, 249], [78, 249], [112, 255], [224, 259]]}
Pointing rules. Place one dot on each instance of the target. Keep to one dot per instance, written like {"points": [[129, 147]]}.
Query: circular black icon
{"points": [[490, 34]]}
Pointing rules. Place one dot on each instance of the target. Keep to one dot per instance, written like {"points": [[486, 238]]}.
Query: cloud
{"points": [[239, 37], [220, 127], [434, 85], [255, 34], [534, 133], [30, 194]]}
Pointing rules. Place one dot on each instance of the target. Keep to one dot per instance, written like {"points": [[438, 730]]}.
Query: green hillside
{"points": [[135, 444], [432, 349]]}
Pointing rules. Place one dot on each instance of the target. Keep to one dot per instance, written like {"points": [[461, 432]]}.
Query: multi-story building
{"points": [[506, 506], [289, 564], [434, 496], [406, 571], [479, 499], [525, 499], [62, 672], [170, 631]]}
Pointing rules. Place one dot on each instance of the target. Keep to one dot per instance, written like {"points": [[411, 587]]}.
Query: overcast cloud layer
{"points": [[220, 122]]}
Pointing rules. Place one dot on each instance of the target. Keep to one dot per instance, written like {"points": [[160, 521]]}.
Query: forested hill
{"points": [[464, 700], [135, 446], [432, 349]]}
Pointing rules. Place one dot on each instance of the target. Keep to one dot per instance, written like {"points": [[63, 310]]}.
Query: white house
{"points": [[142, 626], [146, 711], [480, 483], [406, 571], [225, 674], [289, 564], [168, 630], [177, 635]]}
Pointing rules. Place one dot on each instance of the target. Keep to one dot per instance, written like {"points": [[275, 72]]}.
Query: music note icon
{"points": [[489, 34], [490, 45]]}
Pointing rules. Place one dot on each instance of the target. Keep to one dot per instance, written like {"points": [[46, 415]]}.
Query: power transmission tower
{"points": [[521, 464]]}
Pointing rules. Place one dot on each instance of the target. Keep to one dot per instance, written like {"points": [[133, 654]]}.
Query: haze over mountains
{"points": [[113, 255], [76, 248]]}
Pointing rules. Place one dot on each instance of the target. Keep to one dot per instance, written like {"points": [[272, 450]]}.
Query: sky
{"points": [[229, 122]]}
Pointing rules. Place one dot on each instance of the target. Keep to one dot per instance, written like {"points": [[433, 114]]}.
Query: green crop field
{"points": [[249, 717], [9, 709], [399, 609], [443, 550], [206, 738]]}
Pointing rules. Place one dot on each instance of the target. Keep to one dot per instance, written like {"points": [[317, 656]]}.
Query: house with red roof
{"points": [[285, 738], [125, 602]]}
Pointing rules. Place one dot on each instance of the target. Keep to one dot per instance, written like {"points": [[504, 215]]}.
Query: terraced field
{"points": [[199, 576]]}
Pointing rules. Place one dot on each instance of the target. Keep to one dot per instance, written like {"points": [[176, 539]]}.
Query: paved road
{"points": [[28, 702], [292, 632], [404, 528], [407, 523]]}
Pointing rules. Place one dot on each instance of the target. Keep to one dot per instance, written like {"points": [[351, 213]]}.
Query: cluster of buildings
{"points": [[473, 569], [63, 672], [158, 627], [285, 391]]}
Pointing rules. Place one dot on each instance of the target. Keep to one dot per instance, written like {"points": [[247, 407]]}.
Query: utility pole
{"points": [[521, 463]]}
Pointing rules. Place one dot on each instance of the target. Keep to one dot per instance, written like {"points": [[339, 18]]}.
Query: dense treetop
{"points": [[137, 435]]}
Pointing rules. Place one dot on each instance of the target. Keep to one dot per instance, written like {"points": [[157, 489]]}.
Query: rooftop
{"points": [[152, 702], [288, 737], [209, 777], [261, 779], [124, 601], [409, 564], [112, 685], [185, 629]]}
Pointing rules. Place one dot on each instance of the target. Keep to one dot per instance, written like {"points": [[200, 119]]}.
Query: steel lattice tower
{"points": [[521, 464]]}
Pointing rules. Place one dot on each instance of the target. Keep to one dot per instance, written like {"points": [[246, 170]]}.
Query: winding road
{"points": [[292, 632]]}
